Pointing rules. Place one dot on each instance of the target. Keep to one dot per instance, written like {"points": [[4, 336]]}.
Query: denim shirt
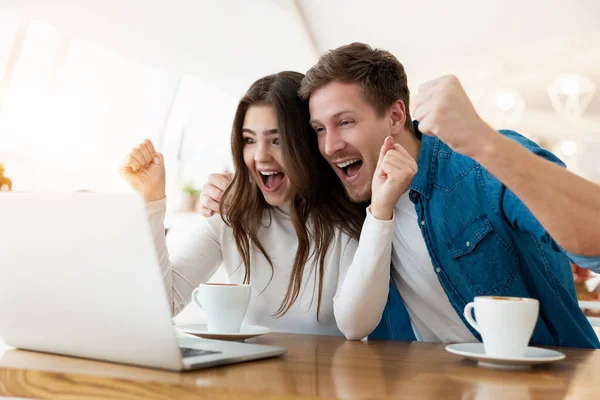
{"points": [[483, 241]]}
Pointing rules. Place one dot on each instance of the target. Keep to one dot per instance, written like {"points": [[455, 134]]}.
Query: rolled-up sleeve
{"points": [[591, 263]]}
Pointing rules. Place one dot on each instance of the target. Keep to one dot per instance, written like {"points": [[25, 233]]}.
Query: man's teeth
{"points": [[268, 173], [349, 162]]}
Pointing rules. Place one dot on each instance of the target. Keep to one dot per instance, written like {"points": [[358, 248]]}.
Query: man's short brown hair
{"points": [[377, 72]]}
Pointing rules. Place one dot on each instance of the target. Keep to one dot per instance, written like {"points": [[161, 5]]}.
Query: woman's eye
{"points": [[248, 140], [276, 141]]}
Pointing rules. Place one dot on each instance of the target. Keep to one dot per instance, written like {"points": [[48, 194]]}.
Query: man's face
{"points": [[350, 135]]}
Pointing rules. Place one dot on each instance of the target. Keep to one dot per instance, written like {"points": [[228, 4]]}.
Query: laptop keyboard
{"points": [[189, 352]]}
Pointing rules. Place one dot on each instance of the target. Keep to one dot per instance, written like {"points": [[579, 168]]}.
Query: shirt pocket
{"points": [[487, 260]]}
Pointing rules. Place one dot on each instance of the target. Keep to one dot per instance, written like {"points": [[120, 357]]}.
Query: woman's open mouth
{"points": [[271, 179]]}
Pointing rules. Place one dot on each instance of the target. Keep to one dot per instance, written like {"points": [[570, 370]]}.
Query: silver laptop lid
{"points": [[79, 276]]}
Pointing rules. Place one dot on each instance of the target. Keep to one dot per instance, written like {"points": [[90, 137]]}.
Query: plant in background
{"points": [[190, 198], [191, 189], [5, 183]]}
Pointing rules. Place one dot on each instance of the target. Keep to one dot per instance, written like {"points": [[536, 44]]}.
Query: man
{"points": [[458, 231]]}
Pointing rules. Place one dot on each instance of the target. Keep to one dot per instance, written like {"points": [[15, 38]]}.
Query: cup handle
{"points": [[468, 314], [195, 297]]}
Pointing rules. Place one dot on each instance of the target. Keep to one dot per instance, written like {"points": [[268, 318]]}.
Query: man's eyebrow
{"points": [[336, 115]]}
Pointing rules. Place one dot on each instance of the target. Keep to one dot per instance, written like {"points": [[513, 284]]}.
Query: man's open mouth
{"points": [[350, 167]]}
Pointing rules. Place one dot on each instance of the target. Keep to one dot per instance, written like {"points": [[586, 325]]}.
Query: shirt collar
{"points": [[427, 163]]}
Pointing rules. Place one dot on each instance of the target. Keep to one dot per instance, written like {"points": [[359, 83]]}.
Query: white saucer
{"points": [[533, 356], [246, 332]]}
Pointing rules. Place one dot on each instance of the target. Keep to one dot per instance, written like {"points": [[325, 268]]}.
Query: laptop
{"points": [[79, 276]]}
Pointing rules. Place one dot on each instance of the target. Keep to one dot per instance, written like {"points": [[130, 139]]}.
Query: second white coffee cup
{"points": [[505, 323], [224, 305]]}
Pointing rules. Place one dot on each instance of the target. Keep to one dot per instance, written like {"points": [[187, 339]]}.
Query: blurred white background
{"points": [[82, 81]]}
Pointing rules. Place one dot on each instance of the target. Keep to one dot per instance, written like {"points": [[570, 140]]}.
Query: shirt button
{"points": [[423, 223], [438, 270], [468, 244], [413, 195]]}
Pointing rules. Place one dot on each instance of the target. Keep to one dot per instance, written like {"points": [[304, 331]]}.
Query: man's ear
{"points": [[397, 116]]}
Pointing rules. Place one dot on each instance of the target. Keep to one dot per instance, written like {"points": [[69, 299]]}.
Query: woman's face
{"points": [[262, 154]]}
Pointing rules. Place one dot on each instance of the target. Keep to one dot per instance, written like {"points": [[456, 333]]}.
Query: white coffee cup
{"points": [[224, 305], [505, 323]]}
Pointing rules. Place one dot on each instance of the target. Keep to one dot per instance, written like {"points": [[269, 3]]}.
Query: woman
{"points": [[289, 229]]}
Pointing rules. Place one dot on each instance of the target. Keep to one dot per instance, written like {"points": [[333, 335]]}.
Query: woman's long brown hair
{"points": [[318, 205]]}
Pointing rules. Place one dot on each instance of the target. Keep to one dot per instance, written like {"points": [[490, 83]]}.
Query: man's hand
{"points": [[443, 109], [213, 191], [393, 176]]}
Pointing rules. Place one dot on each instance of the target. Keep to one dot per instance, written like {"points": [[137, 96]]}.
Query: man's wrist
{"points": [[487, 145]]}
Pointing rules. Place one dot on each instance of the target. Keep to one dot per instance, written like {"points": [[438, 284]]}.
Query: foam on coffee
{"points": [[222, 284], [506, 298]]}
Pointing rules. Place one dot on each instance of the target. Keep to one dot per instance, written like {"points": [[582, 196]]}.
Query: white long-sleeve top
{"points": [[355, 280]]}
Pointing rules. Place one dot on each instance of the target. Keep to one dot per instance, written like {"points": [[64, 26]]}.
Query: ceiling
{"points": [[436, 36], [227, 42]]}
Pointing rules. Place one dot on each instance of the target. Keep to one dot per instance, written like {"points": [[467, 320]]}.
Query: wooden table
{"points": [[315, 367]]}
